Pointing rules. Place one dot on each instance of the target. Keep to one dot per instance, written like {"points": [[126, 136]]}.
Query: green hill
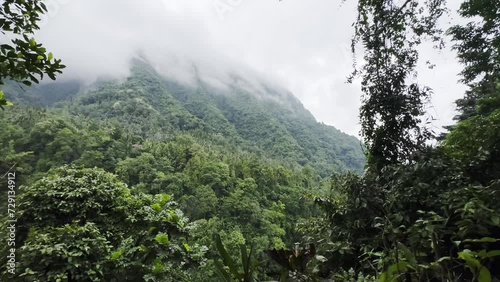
{"points": [[268, 121], [241, 162]]}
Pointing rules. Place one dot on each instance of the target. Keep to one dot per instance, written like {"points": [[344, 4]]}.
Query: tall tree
{"points": [[393, 104], [478, 47]]}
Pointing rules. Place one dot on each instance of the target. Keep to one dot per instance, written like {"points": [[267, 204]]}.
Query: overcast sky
{"points": [[301, 44]]}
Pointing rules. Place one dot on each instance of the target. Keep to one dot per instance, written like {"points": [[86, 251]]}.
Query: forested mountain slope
{"points": [[63, 159], [147, 179], [241, 162], [260, 119]]}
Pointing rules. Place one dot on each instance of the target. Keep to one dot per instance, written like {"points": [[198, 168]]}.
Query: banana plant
{"points": [[295, 264], [229, 271]]}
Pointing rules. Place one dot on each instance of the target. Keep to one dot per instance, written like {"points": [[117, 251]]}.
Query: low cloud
{"points": [[299, 45]]}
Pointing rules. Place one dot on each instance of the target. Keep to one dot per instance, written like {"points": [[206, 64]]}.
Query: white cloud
{"points": [[302, 45]]}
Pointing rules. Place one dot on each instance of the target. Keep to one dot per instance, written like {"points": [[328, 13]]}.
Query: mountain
{"points": [[239, 158], [255, 117]]}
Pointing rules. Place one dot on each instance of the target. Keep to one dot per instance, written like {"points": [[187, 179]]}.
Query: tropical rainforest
{"points": [[150, 179]]}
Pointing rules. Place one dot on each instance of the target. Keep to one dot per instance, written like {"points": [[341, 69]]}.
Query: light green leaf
{"points": [[471, 262], [4, 102], [164, 199], [116, 255], [187, 247], [156, 207], [162, 238]]}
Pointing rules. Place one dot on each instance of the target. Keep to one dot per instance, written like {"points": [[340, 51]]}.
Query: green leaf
{"points": [[164, 199], [223, 274], [162, 238], [228, 261], [187, 247], [482, 240], [50, 56], [493, 253], [484, 275], [471, 262], [116, 255], [158, 266], [244, 258], [391, 273], [33, 78], [32, 42], [4, 102], [156, 207], [409, 256]]}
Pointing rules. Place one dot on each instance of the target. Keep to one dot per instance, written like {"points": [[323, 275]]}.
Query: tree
{"points": [[478, 47], [393, 104], [24, 58], [86, 225], [419, 213]]}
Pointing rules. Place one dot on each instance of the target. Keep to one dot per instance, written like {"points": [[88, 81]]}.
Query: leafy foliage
{"points": [[431, 213], [101, 170], [85, 225], [24, 57], [238, 195], [478, 46]]}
